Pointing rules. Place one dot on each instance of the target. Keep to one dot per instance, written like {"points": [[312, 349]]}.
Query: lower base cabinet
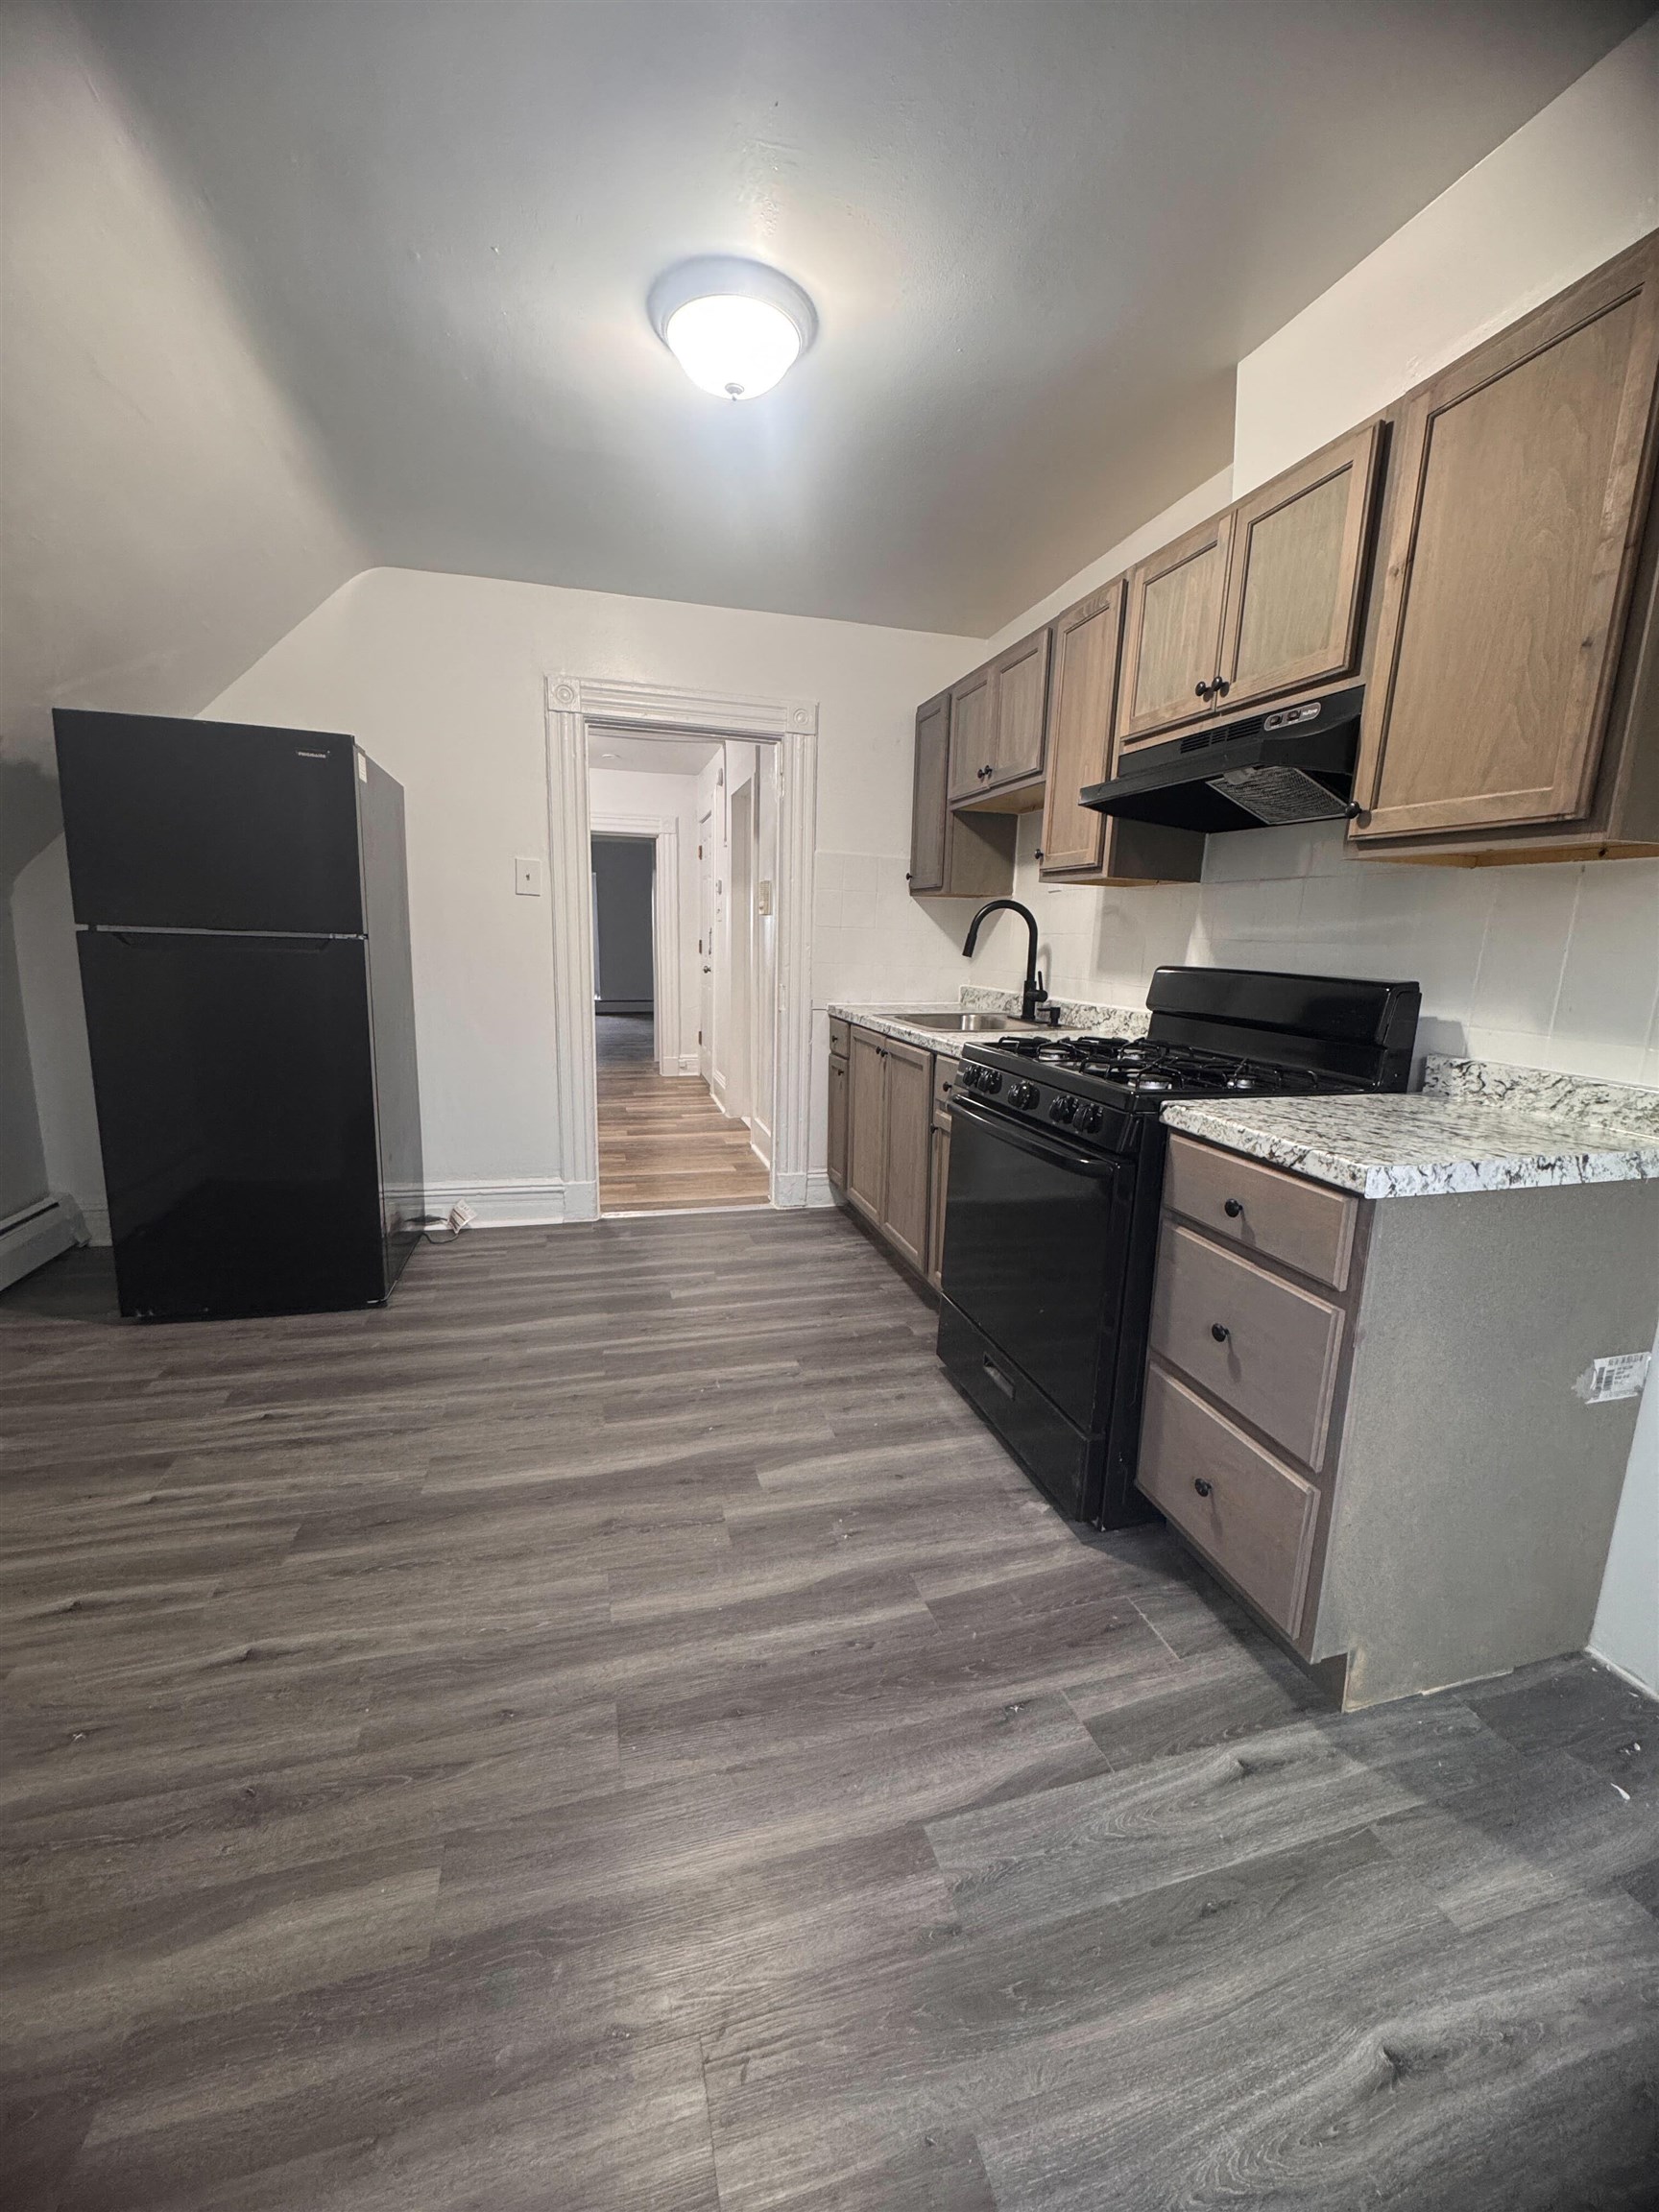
{"points": [[1369, 1416], [885, 1153]]}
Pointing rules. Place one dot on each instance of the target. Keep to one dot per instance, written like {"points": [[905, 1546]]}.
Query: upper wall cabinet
{"points": [[951, 855], [1268, 598], [972, 733], [1295, 603], [999, 726], [1080, 846], [1512, 688], [1173, 648]]}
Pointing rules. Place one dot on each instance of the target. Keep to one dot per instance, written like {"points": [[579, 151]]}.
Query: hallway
{"points": [[662, 1142]]}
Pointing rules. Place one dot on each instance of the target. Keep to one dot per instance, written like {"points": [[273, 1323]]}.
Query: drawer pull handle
{"points": [[1232, 1209], [1202, 1487], [1219, 1331]]}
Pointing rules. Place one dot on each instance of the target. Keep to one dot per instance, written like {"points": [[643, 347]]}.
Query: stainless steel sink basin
{"points": [[959, 1021]]}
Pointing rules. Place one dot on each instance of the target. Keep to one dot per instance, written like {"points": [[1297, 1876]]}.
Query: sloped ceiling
{"points": [[165, 514], [1039, 236]]}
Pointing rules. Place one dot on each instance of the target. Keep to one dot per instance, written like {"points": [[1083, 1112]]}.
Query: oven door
{"points": [[1036, 1247]]}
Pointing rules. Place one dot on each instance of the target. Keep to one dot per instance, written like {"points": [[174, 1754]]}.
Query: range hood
{"points": [[1284, 765]]}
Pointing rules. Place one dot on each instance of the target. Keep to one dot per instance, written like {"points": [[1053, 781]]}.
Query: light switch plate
{"points": [[527, 876]]}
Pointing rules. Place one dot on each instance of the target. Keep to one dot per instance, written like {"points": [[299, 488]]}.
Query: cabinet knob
{"points": [[1220, 687], [1202, 691], [1202, 1487], [1232, 1209], [1219, 1331]]}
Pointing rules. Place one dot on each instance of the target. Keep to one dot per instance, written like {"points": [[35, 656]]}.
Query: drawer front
{"points": [[840, 1036], [1255, 1518], [1275, 1359], [1262, 1210], [945, 1070]]}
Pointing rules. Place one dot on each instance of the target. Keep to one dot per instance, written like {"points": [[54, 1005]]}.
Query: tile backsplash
{"points": [[1553, 966]]}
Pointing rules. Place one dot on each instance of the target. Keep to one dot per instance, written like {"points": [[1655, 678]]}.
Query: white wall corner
{"points": [[820, 1190]]}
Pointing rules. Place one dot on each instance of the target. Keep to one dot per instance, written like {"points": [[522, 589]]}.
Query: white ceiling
{"points": [[651, 756], [1038, 235]]}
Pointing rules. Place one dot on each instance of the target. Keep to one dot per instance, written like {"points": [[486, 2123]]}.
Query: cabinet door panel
{"points": [[930, 808], [972, 736], [1174, 642], [1293, 593], [939, 1182], [867, 1124], [909, 1130], [1522, 482], [1021, 697], [839, 1081], [1081, 730]]}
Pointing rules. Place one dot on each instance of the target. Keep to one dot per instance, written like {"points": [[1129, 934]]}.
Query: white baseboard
{"points": [[820, 1190], [790, 1190], [686, 1064], [36, 1233], [507, 1204]]}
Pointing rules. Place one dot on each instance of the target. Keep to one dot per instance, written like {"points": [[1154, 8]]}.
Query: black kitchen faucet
{"points": [[1032, 995]]}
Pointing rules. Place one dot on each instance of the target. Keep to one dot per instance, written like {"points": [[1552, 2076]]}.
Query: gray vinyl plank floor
{"points": [[612, 1732]]}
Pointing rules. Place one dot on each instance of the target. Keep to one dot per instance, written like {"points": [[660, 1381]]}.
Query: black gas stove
{"points": [[1056, 1173]]}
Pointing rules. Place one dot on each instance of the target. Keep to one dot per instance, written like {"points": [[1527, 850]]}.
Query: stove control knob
{"points": [[1022, 1094], [1091, 1118], [1063, 1109], [972, 1076], [990, 1080]]}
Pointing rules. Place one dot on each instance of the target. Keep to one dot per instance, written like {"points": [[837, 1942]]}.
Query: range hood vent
{"points": [[1288, 764]]}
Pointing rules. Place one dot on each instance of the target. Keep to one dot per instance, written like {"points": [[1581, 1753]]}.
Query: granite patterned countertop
{"points": [[1475, 1125], [1075, 1020]]}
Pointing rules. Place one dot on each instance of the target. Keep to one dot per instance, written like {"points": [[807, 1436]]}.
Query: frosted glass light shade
{"points": [[734, 347], [735, 326]]}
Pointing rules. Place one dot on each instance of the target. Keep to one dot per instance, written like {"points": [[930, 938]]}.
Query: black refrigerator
{"points": [[242, 916]]}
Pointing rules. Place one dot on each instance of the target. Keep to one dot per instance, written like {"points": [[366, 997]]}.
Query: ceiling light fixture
{"points": [[735, 326]]}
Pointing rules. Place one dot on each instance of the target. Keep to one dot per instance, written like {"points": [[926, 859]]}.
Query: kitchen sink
{"points": [[960, 1023]]}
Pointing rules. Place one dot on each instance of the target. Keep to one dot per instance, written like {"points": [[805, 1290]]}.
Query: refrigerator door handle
{"points": [[151, 940]]}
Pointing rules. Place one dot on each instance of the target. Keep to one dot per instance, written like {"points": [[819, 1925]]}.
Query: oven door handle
{"points": [[1074, 1162]]}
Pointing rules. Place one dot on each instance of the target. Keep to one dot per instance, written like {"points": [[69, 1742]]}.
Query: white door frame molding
{"points": [[574, 704], [663, 831]]}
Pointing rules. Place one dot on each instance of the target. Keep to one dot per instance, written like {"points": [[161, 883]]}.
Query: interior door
{"points": [[236, 1102], [1174, 631], [1080, 729], [1520, 476], [1294, 600], [740, 954]]}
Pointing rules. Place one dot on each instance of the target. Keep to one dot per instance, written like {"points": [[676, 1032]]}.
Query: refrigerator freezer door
{"points": [[175, 824], [236, 1112]]}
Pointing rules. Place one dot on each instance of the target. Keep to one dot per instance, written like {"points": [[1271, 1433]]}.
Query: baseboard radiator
{"points": [[36, 1233]]}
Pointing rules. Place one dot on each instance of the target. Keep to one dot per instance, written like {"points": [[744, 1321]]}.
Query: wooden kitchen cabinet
{"points": [[1080, 846], [840, 1079], [945, 1072], [1172, 648], [867, 1124], [1296, 574], [1357, 1412], [972, 733], [952, 855], [1267, 600], [1513, 705], [999, 730], [889, 1139]]}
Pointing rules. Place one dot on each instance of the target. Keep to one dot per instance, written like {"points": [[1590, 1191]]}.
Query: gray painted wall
{"points": [[622, 871]]}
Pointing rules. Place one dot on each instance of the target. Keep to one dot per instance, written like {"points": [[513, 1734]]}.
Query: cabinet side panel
{"points": [[1475, 1491]]}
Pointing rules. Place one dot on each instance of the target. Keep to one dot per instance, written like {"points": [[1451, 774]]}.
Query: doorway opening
{"points": [[685, 975]]}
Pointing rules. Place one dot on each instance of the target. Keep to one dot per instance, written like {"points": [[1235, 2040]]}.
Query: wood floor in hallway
{"points": [[612, 1732], [662, 1140]]}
